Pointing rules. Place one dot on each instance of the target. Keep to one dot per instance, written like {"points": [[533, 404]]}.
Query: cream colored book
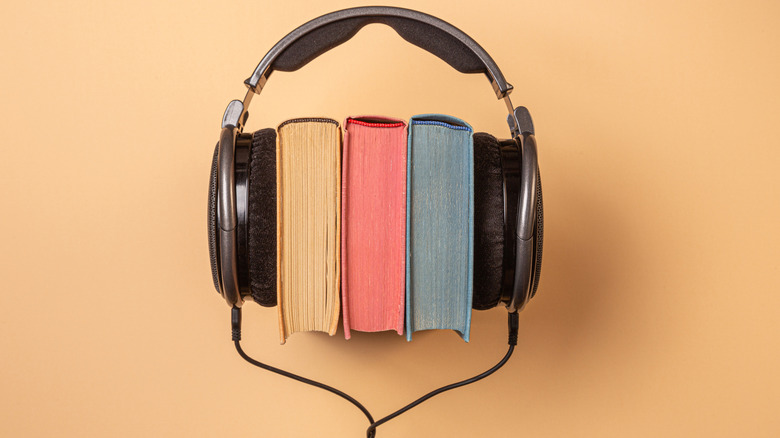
{"points": [[308, 163]]}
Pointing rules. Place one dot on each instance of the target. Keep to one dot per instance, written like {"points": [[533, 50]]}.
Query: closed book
{"points": [[440, 224], [373, 219], [308, 164]]}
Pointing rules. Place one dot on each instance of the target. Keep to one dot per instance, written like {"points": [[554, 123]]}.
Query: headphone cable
{"points": [[371, 431], [236, 324], [513, 329]]}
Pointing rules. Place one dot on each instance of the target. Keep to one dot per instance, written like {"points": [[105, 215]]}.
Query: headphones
{"points": [[508, 218]]}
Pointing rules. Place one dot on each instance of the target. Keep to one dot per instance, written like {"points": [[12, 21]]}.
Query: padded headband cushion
{"points": [[322, 39], [488, 222], [262, 217]]}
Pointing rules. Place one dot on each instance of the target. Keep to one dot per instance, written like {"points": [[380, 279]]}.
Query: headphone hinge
{"points": [[236, 113]]}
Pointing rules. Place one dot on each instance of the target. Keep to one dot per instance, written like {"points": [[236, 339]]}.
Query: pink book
{"points": [[373, 224]]}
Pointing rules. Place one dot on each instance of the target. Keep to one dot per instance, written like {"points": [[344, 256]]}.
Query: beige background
{"points": [[657, 313]]}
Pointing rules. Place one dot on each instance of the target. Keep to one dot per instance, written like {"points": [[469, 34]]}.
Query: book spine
{"points": [[373, 224], [308, 206], [440, 224]]}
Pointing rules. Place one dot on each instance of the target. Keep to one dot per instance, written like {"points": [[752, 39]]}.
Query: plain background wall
{"points": [[657, 313]]}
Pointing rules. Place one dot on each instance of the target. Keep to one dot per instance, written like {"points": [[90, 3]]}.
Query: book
{"points": [[308, 162], [373, 220], [440, 224]]}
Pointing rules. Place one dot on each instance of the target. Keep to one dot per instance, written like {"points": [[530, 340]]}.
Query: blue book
{"points": [[439, 224]]}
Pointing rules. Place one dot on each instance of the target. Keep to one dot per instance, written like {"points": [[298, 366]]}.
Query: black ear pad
{"points": [[262, 217], [488, 222], [212, 219]]}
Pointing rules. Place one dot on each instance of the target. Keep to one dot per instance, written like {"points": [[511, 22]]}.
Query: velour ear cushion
{"points": [[488, 222], [262, 217]]}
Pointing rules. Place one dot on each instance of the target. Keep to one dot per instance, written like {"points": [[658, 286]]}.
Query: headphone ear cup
{"points": [[488, 222], [262, 217]]}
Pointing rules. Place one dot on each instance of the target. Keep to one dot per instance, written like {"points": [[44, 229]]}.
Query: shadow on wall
{"points": [[584, 236]]}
